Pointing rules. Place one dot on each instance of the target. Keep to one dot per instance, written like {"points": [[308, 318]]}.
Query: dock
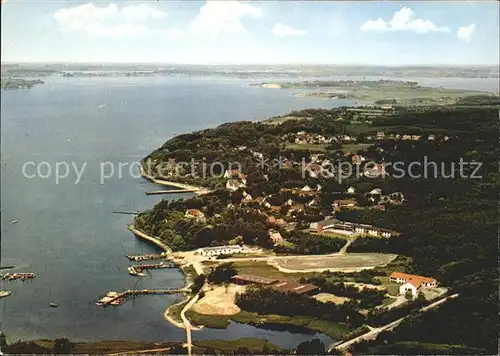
{"points": [[126, 212], [115, 298], [147, 257], [138, 270], [21, 276], [172, 191]]}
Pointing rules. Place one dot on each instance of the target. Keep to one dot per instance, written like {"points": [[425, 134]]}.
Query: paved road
{"points": [[187, 323], [375, 331]]}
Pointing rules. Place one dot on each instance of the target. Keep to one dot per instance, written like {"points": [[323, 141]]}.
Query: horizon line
{"points": [[263, 64]]}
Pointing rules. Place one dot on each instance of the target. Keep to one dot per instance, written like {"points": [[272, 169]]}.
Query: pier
{"points": [[147, 257], [115, 298], [138, 270], [21, 276], [172, 191], [126, 212]]}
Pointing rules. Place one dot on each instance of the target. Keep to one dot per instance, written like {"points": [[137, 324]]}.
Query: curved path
{"points": [[187, 323]]}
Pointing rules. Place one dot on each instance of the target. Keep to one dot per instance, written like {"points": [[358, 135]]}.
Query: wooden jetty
{"points": [[126, 212], [115, 298], [150, 256], [21, 276], [172, 191], [138, 270]]}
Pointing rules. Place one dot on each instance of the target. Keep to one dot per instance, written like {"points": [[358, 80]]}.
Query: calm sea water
{"points": [[67, 232]]}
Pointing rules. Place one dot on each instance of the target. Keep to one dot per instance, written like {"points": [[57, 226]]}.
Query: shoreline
{"points": [[167, 316], [154, 240], [198, 190]]}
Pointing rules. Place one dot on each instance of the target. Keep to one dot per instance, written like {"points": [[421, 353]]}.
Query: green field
{"points": [[355, 147], [319, 147], [334, 330], [262, 269]]}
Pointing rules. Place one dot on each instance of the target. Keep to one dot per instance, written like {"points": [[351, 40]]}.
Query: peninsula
{"points": [[385, 93], [279, 230]]}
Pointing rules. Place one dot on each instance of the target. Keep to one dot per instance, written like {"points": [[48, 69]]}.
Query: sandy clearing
{"points": [[364, 285], [219, 301], [327, 297]]}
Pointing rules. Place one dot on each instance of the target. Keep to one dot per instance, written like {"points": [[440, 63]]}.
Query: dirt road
{"points": [[372, 334]]}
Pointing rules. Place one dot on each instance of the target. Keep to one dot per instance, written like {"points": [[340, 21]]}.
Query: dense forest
{"points": [[448, 223]]}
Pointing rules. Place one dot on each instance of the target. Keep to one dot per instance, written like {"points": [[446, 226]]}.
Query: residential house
{"points": [[247, 198], [279, 222], [412, 283], [406, 137], [262, 201], [375, 191], [232, 173], [357, 159], [312, 202], [258, 155], [234, 184], [343, 203], [275, 236], [295, 209], [380, 135], [377, 171], [195, 214]]}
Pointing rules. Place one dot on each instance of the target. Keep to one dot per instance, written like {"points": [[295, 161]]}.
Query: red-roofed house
{"points": [[411, 282]]}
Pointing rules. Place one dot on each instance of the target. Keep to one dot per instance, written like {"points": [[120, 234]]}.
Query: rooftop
{"points": [[254, 279]]}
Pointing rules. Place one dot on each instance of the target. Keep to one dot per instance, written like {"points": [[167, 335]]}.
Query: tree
{"points": [[198, 283], [409, 295], [312, 347], [62, 346], [3, 339], [222, 274]]}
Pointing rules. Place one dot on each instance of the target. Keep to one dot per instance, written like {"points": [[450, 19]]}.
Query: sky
{"points": [[248, 32]]}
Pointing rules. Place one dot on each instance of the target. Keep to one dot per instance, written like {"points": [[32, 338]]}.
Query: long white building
{"points": [[219, 250]]}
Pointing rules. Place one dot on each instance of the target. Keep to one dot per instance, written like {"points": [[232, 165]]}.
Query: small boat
{"points": [[54, 305], [14, 221], [5, 293]]}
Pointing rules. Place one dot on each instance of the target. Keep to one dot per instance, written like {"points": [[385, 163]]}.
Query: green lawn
{"points": [[262, 269], [355, 147], [334, 330], [209, 321], [320, 147], [175, 310]]}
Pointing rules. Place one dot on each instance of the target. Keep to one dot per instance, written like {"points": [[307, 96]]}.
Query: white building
{"points": [[219, 250], [234, 184], [412, 287], [412, 283]]}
